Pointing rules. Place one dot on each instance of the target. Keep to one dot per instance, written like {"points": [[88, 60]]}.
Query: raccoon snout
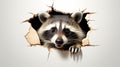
{"points": [[59, 41]]}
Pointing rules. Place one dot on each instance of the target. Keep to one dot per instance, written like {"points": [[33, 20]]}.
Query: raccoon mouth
{"points": [[61, 46], [58, 45], [52, 45]]}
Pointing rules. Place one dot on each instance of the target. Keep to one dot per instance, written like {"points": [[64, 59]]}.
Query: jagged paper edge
{"points": [[32, 37]]}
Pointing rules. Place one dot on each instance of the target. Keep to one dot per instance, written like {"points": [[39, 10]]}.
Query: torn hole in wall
{"points": [[41, 22]]}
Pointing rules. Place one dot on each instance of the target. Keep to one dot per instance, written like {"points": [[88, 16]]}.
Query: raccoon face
{"points": [[60, 31]]}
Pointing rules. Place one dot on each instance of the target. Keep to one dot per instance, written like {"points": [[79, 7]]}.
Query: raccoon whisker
{"points": [[74, 40], [47, 41], [72, 35]]}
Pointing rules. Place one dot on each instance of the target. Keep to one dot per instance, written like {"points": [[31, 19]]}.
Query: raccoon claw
{"points": [[74, 49], [75, 52]]}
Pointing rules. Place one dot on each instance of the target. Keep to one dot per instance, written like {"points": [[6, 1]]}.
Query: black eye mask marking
{"points": [[53, 30], [48, 34], [69, 34]]}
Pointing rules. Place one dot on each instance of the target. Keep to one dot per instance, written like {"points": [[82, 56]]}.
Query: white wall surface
{"points": [[16, 52]]}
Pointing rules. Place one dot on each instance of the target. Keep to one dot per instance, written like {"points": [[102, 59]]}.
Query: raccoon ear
{"points": [[77, 16], [43, 17]]}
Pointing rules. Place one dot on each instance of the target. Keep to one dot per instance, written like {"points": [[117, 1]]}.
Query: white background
{"points": [[16, 52]]}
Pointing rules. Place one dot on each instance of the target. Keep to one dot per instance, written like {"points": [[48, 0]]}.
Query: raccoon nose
{"points": [[59, 41]]}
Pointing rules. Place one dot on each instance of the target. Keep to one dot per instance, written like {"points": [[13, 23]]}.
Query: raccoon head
{"points": [[60, 31]]}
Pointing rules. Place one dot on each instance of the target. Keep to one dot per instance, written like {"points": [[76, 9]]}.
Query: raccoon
{"points": [[59, 30]]}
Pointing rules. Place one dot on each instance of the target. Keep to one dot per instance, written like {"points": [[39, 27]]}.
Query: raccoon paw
{"points": [[74, 49], [75, 52]]}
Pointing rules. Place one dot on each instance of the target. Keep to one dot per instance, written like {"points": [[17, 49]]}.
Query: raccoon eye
{"points": [[53, 29], [67, 31]]}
